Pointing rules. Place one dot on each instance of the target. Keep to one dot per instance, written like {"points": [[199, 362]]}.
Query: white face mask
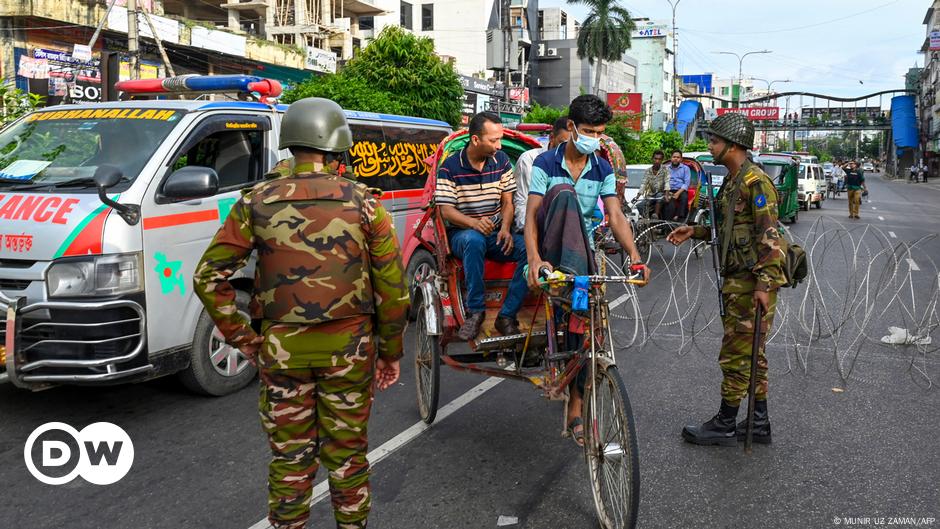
{"points": [[586, 144]]}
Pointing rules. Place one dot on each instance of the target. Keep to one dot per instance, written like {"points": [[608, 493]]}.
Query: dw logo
{"points": [[102, 453]]}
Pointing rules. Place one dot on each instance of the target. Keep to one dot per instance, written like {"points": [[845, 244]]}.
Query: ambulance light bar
{"points": [[265, 88]]}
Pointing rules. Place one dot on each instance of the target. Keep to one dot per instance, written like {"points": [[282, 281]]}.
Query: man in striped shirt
{"points": [[474, 191]]}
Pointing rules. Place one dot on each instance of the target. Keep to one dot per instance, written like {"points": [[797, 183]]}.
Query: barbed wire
{"points": [[869, 300]]}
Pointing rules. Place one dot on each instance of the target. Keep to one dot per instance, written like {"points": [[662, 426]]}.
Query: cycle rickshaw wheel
{"points": [[610, 448], [427, 367]]}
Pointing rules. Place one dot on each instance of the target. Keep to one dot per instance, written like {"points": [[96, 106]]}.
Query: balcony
{"points": [[362, 8]]}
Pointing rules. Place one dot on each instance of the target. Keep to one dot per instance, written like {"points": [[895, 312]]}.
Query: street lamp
{"points": [[740, 65], [675, 53], [770, 83]]}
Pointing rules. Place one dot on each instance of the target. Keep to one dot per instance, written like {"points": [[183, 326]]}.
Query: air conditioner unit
{"points": [[551, 52]]}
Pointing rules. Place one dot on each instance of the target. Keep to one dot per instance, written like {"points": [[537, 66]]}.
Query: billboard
{"points": [[627, 103], [754, 113], [703, 81], [649, 30], [934, 41]]}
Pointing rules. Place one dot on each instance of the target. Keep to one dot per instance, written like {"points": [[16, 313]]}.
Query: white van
{"points": [[105, 210], [811, 185]]}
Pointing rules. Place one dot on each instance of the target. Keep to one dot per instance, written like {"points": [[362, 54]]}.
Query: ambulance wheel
{"points": [[216, 368], [420, 266]]}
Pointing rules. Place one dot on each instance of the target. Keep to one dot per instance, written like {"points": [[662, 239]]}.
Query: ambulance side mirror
{"points": [[107, 176], [191, 182]]}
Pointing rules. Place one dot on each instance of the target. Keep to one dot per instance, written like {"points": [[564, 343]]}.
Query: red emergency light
{"points": [[206, 84]]}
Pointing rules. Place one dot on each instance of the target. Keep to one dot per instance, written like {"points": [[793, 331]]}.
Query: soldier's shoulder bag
{"points": [[795, 266]]}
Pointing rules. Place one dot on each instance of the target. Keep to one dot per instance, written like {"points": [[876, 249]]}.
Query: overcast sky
{"points": [[823, 46]]}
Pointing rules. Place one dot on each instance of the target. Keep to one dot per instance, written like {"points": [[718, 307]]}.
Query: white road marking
{"points": [[891, 233], [913, 265], [873, 207], [879, 218], [322, 491], [620, 301]]}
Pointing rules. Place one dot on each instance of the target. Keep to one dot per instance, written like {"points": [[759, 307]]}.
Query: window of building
{"points": [[427, 17], [366, 23], [405, 11], [541, 25]]}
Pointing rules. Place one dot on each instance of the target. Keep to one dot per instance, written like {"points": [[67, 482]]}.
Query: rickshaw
{"points": [[783, 170], [538, 355], [647, 231]]}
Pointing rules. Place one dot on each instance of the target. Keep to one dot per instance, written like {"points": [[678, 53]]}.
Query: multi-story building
{"points": [[652, 46], [928, 100], [43, 42]]}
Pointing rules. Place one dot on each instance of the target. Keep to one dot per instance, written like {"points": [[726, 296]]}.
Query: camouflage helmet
{"points": [[316, 123], [734, 128]]}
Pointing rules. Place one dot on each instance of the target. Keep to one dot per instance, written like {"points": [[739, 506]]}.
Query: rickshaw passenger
{"points": [[523, 170], [474, 191], [588, 117]]}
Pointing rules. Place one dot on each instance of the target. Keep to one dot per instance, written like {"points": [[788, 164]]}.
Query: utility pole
{"points": [[507, 39], [133, 39], [675, 54]]}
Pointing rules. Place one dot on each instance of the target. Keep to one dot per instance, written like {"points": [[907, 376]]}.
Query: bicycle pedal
{"points": [[559, 356]]}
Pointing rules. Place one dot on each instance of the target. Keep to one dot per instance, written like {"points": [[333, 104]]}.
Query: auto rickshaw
{"points": [[783, 169]]}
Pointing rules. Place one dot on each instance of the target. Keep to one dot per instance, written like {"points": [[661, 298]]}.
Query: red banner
{"points": [[629, 103], [754, 113]]}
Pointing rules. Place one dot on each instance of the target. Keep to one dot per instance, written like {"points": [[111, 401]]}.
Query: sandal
{"points": [[576, 435]]}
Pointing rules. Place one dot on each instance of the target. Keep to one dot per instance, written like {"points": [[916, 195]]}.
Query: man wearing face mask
{"points": [[474, 191], [677, 205], [566, 184]]}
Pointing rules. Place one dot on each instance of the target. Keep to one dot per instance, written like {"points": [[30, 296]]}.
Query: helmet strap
{"points": [[721, 156]]}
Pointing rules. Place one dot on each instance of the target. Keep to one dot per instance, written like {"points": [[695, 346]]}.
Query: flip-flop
{"points": [[576, 436]]}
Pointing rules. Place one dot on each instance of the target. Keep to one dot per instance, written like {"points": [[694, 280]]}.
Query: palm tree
{"points": [[604, 35]]}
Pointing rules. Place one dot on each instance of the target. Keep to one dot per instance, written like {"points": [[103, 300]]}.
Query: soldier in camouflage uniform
{"points": [[332, 300], [753, 256]]}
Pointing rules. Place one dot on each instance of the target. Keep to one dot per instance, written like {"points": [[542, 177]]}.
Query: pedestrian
{"points": [[331, 292], [655, 179], [523, 170], [923, 172], [752, 262], [855, 183], [677, 199]]}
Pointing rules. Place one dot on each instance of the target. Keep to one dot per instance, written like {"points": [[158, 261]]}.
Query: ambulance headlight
{"points": [[103, 275]]}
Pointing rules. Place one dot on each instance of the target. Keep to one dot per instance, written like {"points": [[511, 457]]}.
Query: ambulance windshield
{"points": [[62, 149]]}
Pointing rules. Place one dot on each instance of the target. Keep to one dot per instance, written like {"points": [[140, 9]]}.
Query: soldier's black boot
{"points": [[761, 433], [719, 430]]}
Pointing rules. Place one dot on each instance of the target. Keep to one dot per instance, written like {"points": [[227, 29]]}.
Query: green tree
{"points": [[546, 114], [397, 73], [604, 35], [15, 103], [697, 145]]}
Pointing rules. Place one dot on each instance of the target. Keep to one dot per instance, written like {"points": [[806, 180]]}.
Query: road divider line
{"points": [[322, 491], [913, 265], [619, 301], [893, 236], [880, 217], [873, 207]]}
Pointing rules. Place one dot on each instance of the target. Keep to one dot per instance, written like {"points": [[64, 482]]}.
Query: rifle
{"points": [[713, 225], [752, 381]]}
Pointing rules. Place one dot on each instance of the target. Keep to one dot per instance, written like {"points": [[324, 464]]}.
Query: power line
{"points": [[798, 28]]}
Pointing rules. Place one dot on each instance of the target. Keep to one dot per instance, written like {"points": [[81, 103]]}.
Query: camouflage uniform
{"points": [[330, 292], [754, 261]]}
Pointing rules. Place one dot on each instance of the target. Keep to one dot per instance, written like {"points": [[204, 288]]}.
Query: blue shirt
{"points": [[679, 177], [597, 180]]}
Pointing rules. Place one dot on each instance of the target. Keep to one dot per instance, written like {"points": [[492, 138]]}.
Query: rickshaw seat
{"points": [[493, 270], [498, 270]]}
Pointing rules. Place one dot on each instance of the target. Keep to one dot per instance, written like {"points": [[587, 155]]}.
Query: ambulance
{"points": [[106, 208]]}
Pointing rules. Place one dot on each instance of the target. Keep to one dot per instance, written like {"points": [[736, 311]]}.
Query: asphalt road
{"points": [[869, 450]]}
